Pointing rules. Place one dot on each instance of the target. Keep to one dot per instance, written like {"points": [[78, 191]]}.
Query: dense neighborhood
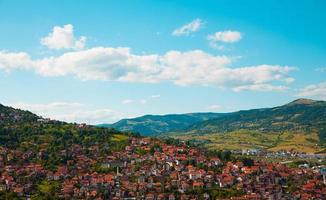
{"points": [[151, 169]]}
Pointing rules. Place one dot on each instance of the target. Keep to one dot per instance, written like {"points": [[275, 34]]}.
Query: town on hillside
{"points": [[152, 169]]}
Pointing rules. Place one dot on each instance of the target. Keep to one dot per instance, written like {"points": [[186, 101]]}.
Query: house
{"points": [[150, 197], [197, 184], [171, 197], [113, 164], [18, 190], [226, 180]]}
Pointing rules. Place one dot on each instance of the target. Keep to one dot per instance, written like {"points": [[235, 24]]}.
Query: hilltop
{"points": [[158, 124], [9, 115]]}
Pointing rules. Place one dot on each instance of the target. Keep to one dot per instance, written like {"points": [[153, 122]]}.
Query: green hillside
{"points": [[157, 124], [9, 115], [25, 131], [299, 125], [247, 139], [302, 116]]}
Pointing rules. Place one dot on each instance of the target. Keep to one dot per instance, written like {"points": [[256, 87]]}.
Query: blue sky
{"points": [[100, 61]]}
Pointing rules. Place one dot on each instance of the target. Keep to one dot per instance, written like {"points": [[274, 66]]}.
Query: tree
{"points": [[47, 190], [248, 162]]}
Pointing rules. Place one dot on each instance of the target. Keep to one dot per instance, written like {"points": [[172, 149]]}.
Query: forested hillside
{"points": [[25, 131], [302, 116], [157, 124]]}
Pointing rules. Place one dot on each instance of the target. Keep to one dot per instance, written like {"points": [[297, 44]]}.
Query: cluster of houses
{"points": [[153, 170]]}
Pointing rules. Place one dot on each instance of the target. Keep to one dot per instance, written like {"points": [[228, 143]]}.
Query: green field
{"points": [[119, 138], [245, 139]]}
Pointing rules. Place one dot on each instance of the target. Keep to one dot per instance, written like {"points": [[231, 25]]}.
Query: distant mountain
{"points": [[302, 115], [299, 126], [158, 124]]}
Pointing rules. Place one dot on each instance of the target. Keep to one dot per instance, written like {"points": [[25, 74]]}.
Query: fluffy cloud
{"points": [[194, 67], [71, 112], [223, 37], [317, 91], [11, 61], [63, 38], [186, 29]]}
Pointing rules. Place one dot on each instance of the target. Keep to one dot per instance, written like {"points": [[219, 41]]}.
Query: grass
{"points": [[119, 138], [245, 139], [299, 142]]}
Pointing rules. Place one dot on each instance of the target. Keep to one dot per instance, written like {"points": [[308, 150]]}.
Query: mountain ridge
{"points": [[301, 116], [296, 125], [157, 124]]}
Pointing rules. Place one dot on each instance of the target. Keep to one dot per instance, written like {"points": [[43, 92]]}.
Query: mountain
{"points": [[158, 124], [299, 125], [301, 115]]}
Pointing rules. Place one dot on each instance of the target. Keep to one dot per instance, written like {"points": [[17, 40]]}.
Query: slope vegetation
{"points": [[158, 124]]}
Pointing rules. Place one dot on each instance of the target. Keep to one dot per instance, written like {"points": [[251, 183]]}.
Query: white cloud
{"points": [[214, 107], [127, 101], [194, 67], [156, 96], [63, 38], [12, 61], [229, 36], [133, 101], [316, 91], [186, 29], [225, 36], [260, 87], [71, 112]]}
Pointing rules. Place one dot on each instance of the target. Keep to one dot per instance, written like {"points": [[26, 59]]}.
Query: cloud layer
{"points": [[186, 29], [316, 91], [63, 38], [194, 67]]}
